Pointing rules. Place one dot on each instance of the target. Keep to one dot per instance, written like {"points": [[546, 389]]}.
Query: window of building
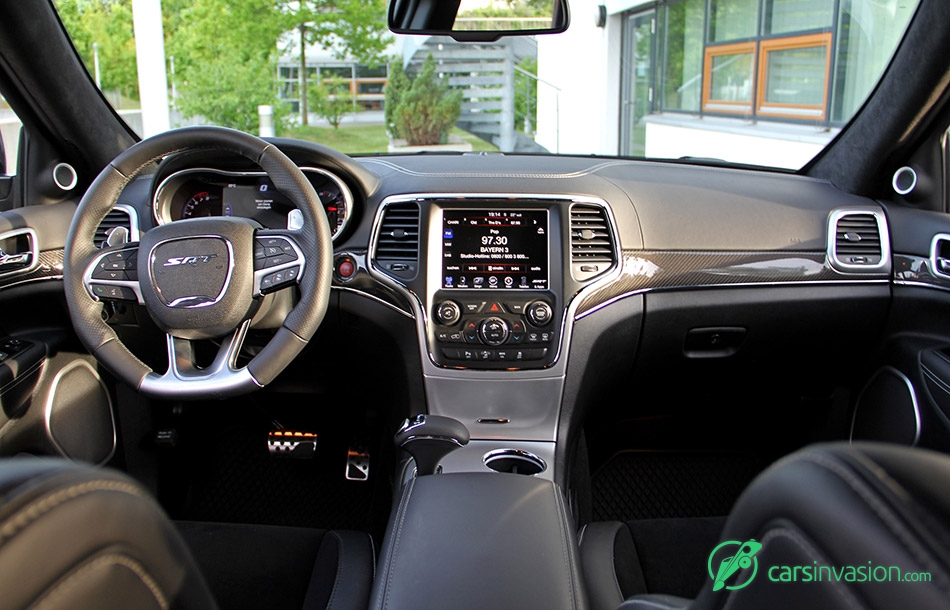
{"points": [[811, 62], [793, 76], [733, 20], [730, 71]]}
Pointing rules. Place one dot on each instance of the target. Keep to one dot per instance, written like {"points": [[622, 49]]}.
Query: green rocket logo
{"points": [[730, 561]]}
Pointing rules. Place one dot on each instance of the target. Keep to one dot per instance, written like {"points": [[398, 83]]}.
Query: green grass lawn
{"points": [[367, 139]]}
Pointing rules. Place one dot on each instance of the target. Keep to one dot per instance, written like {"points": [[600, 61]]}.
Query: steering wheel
{"points": [[199, 278]]}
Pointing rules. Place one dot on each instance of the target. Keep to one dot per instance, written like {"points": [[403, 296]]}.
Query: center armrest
{"points": [[479, 540]]}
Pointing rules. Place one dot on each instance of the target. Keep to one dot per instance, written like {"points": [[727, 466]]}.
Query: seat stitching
{"points": [[339, 570], [565, 551], [653, 604], [39, 507], [390, 562], [886, 515], [105, 560], [771, 534]]}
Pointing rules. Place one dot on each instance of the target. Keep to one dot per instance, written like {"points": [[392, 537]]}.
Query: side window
{"points": [[9, 138]]}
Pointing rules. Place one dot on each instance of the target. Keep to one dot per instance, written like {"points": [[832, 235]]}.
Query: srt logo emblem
{"points": [[176, 261]]}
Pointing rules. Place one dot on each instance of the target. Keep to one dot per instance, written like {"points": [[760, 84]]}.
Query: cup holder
{"points": [[514, 461]]}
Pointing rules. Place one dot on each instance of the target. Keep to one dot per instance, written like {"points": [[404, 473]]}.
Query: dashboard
{"points": [[505, 279]]}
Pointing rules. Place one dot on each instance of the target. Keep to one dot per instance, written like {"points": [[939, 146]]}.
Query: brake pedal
{"points": [[357, 463], [292, 444]]}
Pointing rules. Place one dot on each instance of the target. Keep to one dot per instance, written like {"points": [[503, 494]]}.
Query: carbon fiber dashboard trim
{"points": [[645, 270], [917, 271], [49, 267]]}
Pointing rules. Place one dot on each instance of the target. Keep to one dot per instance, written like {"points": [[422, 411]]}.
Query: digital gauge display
{"points": [[495, 249]]}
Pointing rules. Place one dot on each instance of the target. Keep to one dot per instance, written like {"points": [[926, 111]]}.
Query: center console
{"points": [[494, 281], [494, 308]]}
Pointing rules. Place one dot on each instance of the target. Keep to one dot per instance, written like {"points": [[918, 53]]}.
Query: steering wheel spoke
{"points": [[222, 378], [112, 275], [278, 261]]}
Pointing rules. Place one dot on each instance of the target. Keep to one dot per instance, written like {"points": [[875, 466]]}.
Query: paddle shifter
{"points": [[429, 438]]}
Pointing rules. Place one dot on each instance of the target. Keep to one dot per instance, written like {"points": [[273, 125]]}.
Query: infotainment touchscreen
{"points": [[503, 249]]}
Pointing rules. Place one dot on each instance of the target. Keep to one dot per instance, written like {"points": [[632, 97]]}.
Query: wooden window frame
{"points": [[786, 110], [713, 51]]}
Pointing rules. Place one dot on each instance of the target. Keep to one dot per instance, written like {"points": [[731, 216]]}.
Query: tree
{"points": [[226, 61], [428, 109], [106, 25], [348, 28], [332, 99], [396, 85]]}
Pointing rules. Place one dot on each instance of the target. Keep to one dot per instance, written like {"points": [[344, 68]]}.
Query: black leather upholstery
{"points": [[80, 537], [478, 541], [833, 505]]}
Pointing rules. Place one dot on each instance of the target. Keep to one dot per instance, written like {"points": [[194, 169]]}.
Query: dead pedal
{"points": [[292, 444], [357, 462]]}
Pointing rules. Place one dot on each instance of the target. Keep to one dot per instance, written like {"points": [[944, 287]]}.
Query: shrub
{"points": [[331, 99], [428, 109]]}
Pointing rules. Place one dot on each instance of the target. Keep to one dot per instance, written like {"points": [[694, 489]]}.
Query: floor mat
{"points": [[656, 485], [227, 474]]}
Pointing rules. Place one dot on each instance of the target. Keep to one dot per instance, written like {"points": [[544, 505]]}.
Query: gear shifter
{"points": [[429, 438]]}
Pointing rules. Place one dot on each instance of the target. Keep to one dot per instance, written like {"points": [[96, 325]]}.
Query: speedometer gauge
{"points": [[335, 207], [201, 205]]}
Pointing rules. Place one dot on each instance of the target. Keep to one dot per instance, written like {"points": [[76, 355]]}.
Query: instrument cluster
{"points": [[201, 192]]}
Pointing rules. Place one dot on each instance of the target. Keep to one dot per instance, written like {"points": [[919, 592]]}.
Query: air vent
{"points": [[859, 241], [592, 247], [397, 244], [118, 217]]}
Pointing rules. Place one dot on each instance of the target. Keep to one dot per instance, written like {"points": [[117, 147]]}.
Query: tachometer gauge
{"points": [[201, 205], [335, 206]]}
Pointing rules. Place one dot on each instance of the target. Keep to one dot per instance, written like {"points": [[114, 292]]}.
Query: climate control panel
{"points": [[494, 331]]}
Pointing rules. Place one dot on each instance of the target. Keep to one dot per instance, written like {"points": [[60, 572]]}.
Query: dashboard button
{"points": [[533, 337], [450, 353], [502, 355], [517, 308], [535, 354], [494, 331], [448, 313], [474, 307], [467, 354], [484, 354], [546, 337], [539, 313], [495, 307], [516, 338]]}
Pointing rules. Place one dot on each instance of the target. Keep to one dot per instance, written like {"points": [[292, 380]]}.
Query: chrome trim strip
{"points": [[135, 232], [803, 284], [882, 229], [374, 298], [87, 279], [910, 389], [934, 243], [48, 408], [34, 251], [161, 205], [516, 453], [227, 279]]}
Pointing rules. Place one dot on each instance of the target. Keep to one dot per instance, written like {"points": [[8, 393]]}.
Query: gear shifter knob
{"points": [[429, 438]]}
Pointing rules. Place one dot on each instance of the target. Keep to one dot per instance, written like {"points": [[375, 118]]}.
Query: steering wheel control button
{"points": [[448, 313], [111, 292], [539, 313], [494, 331]]}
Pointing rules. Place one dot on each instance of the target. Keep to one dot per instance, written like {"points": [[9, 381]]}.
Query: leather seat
{"points": [[870, 507], [81, 537]]}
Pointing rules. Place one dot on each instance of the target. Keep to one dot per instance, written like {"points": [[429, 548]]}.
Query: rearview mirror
{"points": [[478, 20]]}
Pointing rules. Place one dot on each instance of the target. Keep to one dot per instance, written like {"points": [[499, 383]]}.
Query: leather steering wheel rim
{"points": [[313, 239]]}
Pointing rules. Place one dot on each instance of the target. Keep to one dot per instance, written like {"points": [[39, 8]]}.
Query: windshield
{"points": [[762, 82]]}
